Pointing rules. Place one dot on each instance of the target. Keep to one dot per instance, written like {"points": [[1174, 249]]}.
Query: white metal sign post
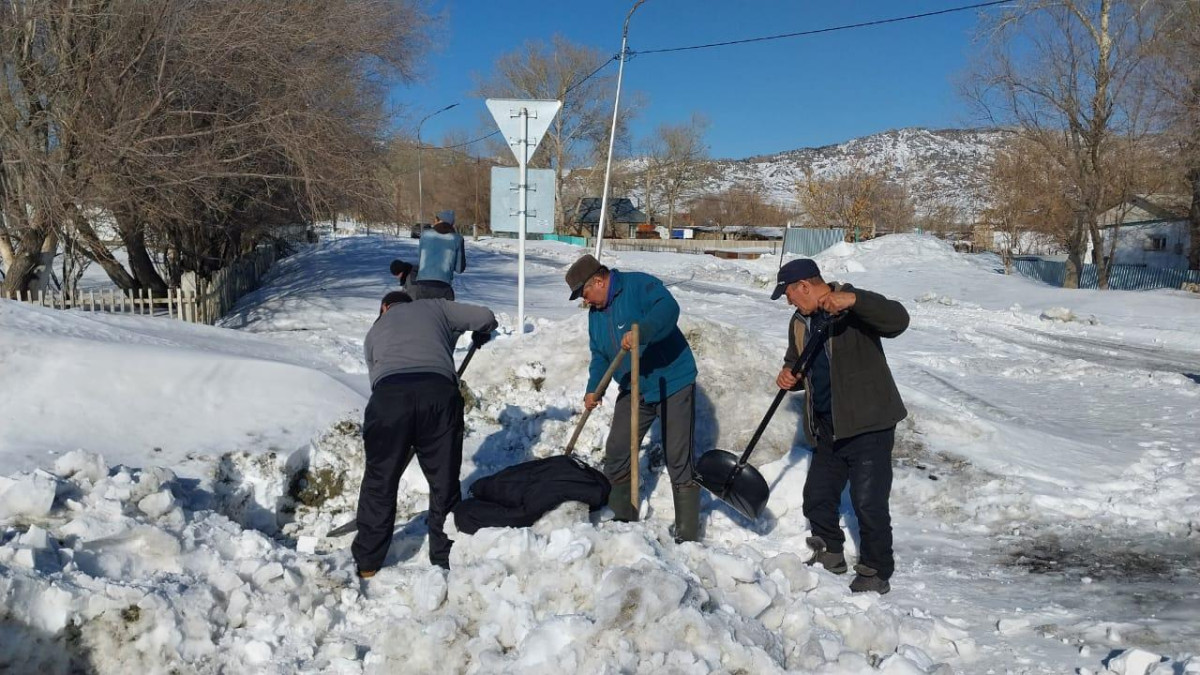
{"points": [[523, 123]]}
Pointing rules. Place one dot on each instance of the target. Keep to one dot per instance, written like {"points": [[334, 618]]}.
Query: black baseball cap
{"points": [[796, 270]]}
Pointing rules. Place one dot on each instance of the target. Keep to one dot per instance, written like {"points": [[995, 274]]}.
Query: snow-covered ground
{"points": [[168, 486]]}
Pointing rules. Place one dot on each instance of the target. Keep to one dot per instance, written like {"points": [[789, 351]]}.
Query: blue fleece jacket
{"points": [[667, 364]]}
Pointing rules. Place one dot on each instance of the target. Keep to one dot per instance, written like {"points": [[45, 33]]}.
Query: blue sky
{"points": [[760, 98]]}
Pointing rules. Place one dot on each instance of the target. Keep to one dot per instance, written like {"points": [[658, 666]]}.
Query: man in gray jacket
{"points": [[415, 408]]}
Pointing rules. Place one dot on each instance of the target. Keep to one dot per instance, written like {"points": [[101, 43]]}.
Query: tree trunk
{"points": [[1075, 251], [1194, 219], [99, 253], [140, 264], [1074, 270], [25, 260], [7, 254], [1098, 258]]}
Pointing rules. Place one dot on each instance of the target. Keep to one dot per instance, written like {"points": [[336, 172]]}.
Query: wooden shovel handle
{"points": [[635, 439], [608, 375]]}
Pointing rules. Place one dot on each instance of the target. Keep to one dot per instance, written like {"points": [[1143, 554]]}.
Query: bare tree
{"points": [[939, 216], [858, 198], [188, 130], [1070, 75], [1026, 196], [743, 204], [677, 162], [1176, 52]]}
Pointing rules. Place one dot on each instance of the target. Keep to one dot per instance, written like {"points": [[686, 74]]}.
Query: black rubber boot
{"points": [[619, 500], [687, 512]]}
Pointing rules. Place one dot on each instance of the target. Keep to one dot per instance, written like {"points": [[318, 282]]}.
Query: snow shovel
{"points": [[728, 476], [352, 526]]}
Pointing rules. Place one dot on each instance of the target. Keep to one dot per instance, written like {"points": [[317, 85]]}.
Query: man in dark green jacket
{"points": [[852, 407]]}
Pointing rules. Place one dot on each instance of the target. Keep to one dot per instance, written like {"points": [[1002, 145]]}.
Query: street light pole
{"points": [[420, 190], [612, 134]]}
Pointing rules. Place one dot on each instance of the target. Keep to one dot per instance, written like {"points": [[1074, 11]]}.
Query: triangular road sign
{"points": [[507, 113]]}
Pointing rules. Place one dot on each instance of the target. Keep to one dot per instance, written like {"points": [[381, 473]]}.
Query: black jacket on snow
{"points": [[865, 397], [520, 494]]}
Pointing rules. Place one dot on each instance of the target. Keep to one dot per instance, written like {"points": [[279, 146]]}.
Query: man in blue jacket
{"points": [[667, 382], [442, 255]]}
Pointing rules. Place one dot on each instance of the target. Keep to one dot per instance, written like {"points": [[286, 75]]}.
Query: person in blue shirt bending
{"points": [[667, 381], [442, 255]]}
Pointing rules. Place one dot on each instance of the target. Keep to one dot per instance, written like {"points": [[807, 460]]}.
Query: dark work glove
{"points": [[481, 337]]}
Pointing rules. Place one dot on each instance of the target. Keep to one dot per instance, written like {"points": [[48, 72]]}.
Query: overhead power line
{"points": [[765, 38], [830, 29], [566, 91], [463, 144]]}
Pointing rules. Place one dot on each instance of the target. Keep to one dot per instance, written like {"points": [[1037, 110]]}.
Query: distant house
{"points": [[624, 219], [738, 232], [1149, 230], [985, 237]]}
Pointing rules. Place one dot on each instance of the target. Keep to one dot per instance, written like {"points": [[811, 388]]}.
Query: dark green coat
{"points": [[865, 397]]}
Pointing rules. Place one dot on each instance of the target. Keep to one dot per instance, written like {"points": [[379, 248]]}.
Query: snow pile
{"points": [[89, 577], [134, 388], [893, 252]]}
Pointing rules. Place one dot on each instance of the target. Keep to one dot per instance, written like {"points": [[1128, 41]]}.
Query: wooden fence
{"points": [[199, 301], [218, 294], [175, 304]]}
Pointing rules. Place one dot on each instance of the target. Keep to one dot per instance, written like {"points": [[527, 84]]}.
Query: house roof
{"points": [[1147, 208], [1165, 206], [620, 210]]}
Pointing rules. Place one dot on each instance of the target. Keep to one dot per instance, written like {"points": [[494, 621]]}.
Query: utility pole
{"points": [[612, 134]]}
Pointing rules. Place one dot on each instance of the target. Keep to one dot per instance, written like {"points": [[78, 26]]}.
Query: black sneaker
{"points": [[832, 562], [868, 581]]}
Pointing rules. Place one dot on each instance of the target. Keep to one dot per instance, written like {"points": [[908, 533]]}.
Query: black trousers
{"points": [[678, 416], [414, 414], [865, 461], [429, 290]]}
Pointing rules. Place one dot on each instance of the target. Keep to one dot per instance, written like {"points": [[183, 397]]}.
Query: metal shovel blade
{"points": [[742, 487], [349, 527]]}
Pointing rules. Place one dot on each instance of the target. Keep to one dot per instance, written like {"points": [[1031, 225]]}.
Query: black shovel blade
{"points": [[742, 487]]}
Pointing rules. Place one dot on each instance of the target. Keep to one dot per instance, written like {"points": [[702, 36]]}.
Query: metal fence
{"points": [[1120, 277], [808, 241], [566, 239]]}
